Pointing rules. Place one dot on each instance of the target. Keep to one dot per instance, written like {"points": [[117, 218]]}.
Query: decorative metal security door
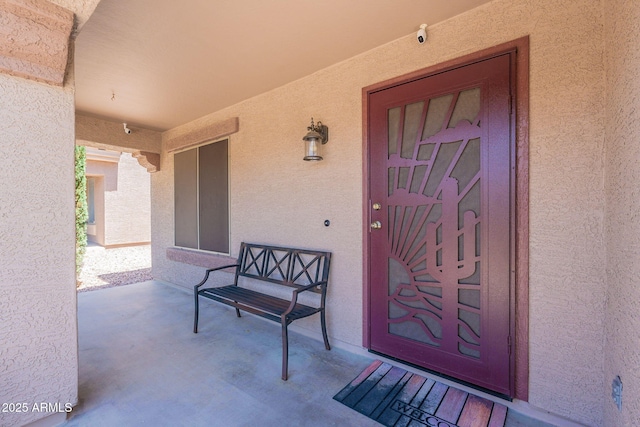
{"points": [[440, 165]]}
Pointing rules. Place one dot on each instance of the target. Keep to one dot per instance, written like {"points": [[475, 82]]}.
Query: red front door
{"points": [[440, 167]]}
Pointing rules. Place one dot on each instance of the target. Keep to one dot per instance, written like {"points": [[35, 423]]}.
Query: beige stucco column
{"points": [[38, 322], [622, 221]]}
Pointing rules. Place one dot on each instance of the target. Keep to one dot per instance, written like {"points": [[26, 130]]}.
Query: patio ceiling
{"points": [[162, 63]]}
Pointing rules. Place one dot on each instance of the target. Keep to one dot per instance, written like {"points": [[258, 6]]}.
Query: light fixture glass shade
{"points": [[312, 146]]}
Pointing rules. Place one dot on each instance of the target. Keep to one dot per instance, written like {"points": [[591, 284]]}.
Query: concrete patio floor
{"points": [[141, 364]]}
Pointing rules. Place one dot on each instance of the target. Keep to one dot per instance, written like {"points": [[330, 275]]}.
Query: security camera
{"points": [[126, 129], [422, 34]]}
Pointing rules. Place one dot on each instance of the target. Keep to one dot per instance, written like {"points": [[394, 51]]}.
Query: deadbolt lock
{"points": [[377, 206]]}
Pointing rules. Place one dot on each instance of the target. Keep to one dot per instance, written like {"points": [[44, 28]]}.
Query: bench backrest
{"points": [[285, 266]]}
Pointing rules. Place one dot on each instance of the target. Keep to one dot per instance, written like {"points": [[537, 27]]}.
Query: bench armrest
{"points": [[209, 270], [322, 284], [294, 296]]}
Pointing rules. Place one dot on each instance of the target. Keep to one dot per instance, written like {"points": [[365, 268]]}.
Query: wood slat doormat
{"points": [[395, 397]]}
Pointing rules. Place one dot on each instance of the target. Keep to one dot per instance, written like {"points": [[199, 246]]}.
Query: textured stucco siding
{"points": [[623, 211], [38, 332], [277, 198], [128, 206], [122, 201], [38, 301], [109, 135]]}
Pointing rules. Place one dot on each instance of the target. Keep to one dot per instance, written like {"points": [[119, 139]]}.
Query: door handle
{"points": [[376, 225]]}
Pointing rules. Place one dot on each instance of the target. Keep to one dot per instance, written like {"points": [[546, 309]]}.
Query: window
{"points": [[91, 204], [202, 198]]}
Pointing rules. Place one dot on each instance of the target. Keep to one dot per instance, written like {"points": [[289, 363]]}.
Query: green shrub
{"points": [[82, 214]]}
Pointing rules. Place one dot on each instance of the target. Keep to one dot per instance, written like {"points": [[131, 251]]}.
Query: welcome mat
{"points": [[395, 397]]}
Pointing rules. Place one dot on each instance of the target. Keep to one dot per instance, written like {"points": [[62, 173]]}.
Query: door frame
{"points": [[519, 298]]}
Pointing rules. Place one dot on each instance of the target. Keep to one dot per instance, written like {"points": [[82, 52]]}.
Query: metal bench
{"points": [[301, 269]]}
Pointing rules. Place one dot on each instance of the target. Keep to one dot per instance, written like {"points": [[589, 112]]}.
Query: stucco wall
{"points": [[127, 207], [38, 323], [623, 210], [38, 333], [278, 198], [122, 201]]}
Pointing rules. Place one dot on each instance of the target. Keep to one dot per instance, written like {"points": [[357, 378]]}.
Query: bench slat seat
{"points": [[303, 270], [267, 305]]}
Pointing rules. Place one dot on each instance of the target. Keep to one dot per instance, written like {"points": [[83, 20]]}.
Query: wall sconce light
{"points": [[317, 136]]}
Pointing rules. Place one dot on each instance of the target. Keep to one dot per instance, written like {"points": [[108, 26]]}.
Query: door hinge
{"points": [[509, 343]]}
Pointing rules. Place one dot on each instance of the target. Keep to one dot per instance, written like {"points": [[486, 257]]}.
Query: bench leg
{"points": [[195, 319], [323, 323], [238, 312], [285, 350]]}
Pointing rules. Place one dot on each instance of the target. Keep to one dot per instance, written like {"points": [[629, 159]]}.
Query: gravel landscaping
{"points": [[105, 268]]}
